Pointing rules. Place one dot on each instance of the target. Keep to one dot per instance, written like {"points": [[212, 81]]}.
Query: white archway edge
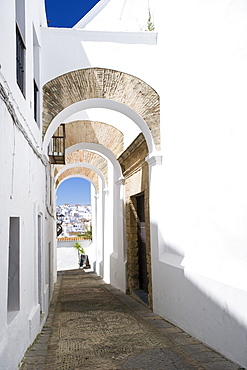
{"points": [[82, 164], [154, 158], [99, 103], [102, 150]]}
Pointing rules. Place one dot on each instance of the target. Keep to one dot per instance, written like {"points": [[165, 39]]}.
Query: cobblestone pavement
{"points": [[92, 325]]}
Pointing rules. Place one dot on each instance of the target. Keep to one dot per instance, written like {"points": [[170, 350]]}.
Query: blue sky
{"points": [[74, 191], [66, 13]]}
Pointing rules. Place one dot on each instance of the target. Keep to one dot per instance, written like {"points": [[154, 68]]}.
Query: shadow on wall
{"points": [[209, 310]]}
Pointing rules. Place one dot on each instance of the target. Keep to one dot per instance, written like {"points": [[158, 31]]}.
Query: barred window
{"points": [[20, 44], [36, 78], [20, 60], [35, 100]]}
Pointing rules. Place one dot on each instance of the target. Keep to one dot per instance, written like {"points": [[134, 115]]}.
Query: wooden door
{"points": [[142, 254]]}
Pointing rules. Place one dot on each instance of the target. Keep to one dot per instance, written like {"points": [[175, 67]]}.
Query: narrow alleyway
{"points": [[92, 325]]}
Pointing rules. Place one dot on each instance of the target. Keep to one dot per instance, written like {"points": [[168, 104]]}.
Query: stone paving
{"points": [[92, 325]]}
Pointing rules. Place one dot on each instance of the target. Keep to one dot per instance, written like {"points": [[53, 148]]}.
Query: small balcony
{"points": [[57, 146]]}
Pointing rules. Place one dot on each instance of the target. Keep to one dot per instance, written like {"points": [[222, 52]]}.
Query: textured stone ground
{"points": [[92, 325]]}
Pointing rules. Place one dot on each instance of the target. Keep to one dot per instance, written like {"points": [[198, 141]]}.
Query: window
{"points": [[20, 60], [36, 78], [20, 44], [35, 101], [14, 265]]}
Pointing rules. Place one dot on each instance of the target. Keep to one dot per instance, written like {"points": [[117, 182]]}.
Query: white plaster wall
{"points": [[65, 50], [67, 255], [22, 189], [200, 279], [118, 256], [35, 18]]}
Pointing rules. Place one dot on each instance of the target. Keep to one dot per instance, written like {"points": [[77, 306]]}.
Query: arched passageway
{"points": [[94, 148]]}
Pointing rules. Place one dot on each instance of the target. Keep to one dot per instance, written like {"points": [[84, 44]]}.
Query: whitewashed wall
{"points": [[23, 192], [65, 50], [200, 263], [67, 255]]}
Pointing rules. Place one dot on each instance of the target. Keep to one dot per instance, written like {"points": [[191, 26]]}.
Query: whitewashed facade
{"points": [[195, 59], [27, 204]]}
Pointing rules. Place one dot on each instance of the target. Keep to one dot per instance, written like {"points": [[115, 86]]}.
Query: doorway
{"points": [[40, 295], [142, 250]]}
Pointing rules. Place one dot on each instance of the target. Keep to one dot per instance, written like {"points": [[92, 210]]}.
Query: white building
{"points": [[156, 121], [74, 219], [27, 253]]}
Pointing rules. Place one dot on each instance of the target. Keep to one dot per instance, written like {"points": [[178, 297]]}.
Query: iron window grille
{"points": [[35, 100], [20, 60]]}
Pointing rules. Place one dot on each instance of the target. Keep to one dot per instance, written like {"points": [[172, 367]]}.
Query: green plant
{"points": [[79, 248], [150, 23], [87, 234]]}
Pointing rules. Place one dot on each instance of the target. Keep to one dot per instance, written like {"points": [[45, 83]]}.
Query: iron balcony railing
{"points": [[57, 146]]}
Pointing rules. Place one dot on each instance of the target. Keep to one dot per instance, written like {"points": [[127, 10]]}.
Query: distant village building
{"points": [[75, 219], [146, 99]]}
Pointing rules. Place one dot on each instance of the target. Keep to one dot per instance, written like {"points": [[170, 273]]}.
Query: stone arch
{"points": [[100, 83], [87, 156], [95, 132], [98, 148], [77, 167], [88, 173]]}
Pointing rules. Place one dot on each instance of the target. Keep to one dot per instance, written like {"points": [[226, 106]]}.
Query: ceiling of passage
{"points": [[94, 132]]}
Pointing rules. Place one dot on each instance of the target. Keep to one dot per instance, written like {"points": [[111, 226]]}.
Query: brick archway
{"points": [[92, 158], [79, 171], [92, 83]]}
